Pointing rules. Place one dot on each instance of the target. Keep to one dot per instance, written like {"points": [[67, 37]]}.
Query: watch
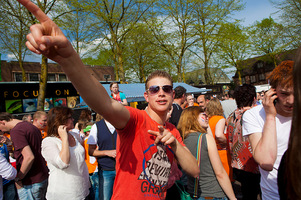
{"points": [[17, 179]]}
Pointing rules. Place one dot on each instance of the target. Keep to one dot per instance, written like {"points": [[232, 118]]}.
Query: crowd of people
{"points": [[208, 143]]}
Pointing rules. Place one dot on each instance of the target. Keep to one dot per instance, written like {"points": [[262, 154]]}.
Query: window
{"points": [[62, 77], [261, 77], [34, 77], [243, 80], [51, 77], [18, 77], [260, 65], [107, 76], [253, 79]]}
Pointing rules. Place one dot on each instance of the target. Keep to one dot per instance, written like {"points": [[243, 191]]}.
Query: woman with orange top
{"points": [[217, 125]]}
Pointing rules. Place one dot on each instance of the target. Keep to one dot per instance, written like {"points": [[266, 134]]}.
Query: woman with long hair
{"points": [[65, 156], [117, 95], [213, 183], [217, 124]]}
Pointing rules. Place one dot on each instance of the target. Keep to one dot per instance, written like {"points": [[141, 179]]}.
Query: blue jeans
{"points": [[10, 191], [106, 182], [223, 198], [36, 191], [94, 189]]}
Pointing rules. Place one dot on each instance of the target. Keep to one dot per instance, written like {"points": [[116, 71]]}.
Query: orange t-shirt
{"points": [[90, 160], [224, 154]]}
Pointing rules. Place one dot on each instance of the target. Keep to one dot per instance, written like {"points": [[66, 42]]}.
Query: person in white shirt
{"points": [[102, 145], [229, 105], [268, 127], [7, 171], [65, 156]]}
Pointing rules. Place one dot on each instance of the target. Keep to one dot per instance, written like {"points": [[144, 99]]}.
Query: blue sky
{"points": [[256, 10]]}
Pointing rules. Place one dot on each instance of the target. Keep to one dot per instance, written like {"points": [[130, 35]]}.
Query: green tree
{"points": [[103, 58], [267, 38], [234, 46], [209, 15], [13, 32], [142, 56], [290, 14], [52, 7], [78, 26], [114, 20], [173, 31]]}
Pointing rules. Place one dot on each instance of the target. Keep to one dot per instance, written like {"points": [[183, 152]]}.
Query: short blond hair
{"points": [[39, 114]]}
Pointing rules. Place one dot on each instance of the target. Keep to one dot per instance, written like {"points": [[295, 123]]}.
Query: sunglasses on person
{"points": [[154, 89]]}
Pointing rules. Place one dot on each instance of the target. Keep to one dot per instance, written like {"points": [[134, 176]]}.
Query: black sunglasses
{"points": [[154, 89]]}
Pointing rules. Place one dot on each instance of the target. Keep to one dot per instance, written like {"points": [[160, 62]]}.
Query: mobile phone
{"points": [[275, 100]]}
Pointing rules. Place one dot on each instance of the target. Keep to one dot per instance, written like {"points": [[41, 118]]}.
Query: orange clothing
{"points": [[90, 160], [44, 132], [224, 154], [194, 104]]}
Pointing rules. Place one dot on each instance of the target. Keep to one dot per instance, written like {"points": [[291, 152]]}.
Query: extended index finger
{"points": [[155, 133], [35, 10]]}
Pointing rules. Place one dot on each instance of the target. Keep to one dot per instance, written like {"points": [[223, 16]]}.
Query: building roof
{"points": [[251, 64], [198, 76], [134, 91]]}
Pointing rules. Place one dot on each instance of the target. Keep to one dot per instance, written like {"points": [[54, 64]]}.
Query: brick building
{"points": [[257, 69], [11, 72]]}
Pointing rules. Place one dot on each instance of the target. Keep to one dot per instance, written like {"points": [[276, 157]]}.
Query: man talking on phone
{"points": [[268, 127]]}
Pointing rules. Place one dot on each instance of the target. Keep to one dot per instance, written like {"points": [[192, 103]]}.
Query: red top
{"points": [[142, 169]]}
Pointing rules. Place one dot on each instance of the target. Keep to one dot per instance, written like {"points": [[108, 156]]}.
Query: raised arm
{"points": [[264, 144], [65, 152], [46, 38]]}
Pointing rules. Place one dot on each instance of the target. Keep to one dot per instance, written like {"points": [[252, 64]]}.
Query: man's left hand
{"points": [[163, 136]]}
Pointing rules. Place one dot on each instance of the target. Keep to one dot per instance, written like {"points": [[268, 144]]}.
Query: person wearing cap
{"points": [[92, 165]]}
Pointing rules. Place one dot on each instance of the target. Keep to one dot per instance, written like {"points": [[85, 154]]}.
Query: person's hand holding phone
{"points": [[269, 98]]}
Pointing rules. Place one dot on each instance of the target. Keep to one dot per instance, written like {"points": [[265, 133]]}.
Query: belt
{"points": [[208, 197]]}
